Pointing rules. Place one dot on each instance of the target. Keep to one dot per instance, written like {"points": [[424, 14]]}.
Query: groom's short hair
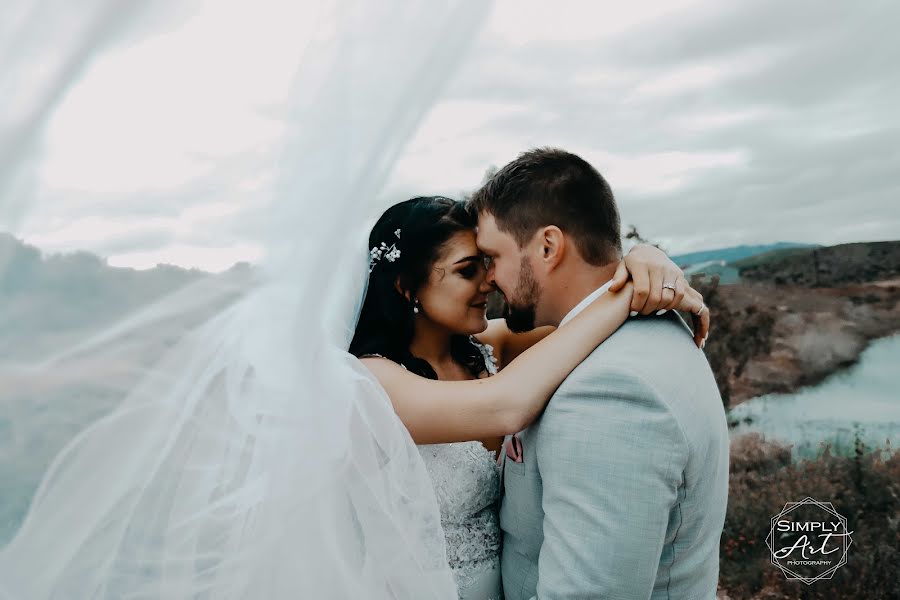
{"points": [[549, 186]]}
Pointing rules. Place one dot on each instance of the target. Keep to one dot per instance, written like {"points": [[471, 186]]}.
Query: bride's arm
{"points": [[649, 268], [453, 411]]}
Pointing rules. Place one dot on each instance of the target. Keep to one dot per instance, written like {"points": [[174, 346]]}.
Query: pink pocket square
{"points": [[513, 447]]}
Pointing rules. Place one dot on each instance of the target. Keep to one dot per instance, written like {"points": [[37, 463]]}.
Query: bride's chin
{"points": [[471, 326], [480, 327]]}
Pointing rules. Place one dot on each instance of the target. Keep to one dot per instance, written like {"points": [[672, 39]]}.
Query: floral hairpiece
{"points": [[389, 253]]}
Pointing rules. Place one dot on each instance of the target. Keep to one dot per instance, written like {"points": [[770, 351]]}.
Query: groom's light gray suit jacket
{"points": [[622, 489]]}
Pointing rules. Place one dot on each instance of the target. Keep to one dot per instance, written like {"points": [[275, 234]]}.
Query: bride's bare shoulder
{"points": [[493, 335]]}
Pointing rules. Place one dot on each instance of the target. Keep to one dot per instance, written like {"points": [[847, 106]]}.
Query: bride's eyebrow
{"points": [[467, 259]]}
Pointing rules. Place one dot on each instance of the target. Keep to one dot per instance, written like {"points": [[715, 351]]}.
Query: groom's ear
{"points": [[553, 246]]}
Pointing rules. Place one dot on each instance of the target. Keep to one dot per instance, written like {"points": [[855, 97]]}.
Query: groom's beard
{"points": [[520, 308]]}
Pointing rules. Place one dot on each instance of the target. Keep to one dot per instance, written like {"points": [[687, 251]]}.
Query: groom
{"points": [[622, 484]]}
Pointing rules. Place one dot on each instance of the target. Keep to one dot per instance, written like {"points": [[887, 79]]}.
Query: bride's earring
{"points": [[416, 307]]}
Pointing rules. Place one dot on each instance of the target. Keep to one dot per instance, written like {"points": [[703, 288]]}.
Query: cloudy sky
{"points": [[717, 123]]}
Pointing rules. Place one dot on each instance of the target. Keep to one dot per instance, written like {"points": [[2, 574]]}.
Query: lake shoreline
{"points": [[783, 338], [848, 408]]}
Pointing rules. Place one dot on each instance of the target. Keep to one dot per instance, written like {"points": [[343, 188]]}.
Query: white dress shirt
{"points": [[586, 302]]}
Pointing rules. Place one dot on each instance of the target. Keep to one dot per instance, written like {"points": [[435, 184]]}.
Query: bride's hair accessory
{"points": [[389, 253]]}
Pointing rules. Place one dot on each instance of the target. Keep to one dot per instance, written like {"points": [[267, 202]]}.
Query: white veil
{"points": [[248, 454]]}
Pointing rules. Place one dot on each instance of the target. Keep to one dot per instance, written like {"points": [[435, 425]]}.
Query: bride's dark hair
{"points": [[386, 321]]}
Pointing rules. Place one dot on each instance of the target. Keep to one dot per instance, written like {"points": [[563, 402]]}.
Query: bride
{"points": [[423, 320]]}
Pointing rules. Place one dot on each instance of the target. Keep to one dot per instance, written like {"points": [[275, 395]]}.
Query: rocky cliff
{"points": [[797, 316]]}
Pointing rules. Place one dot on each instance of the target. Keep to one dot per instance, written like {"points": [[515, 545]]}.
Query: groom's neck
{"points": [[575, 286]]}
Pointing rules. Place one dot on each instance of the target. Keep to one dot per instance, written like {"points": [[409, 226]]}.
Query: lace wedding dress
{"points": [[466, 480]]}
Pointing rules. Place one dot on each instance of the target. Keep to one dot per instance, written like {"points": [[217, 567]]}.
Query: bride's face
{"points": [[455, 295]]}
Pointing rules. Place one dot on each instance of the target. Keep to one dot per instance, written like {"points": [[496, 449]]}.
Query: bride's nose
{"points": [[485, 287]]}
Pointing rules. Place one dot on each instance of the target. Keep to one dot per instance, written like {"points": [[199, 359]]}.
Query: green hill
{"points": [[44, 298], [733, 253], [829, 266]]}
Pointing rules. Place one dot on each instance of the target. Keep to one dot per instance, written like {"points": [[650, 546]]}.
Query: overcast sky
{"points": [[716, 123]]}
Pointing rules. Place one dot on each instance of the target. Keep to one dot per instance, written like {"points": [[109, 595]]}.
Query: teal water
{"points": [[863, 401]]}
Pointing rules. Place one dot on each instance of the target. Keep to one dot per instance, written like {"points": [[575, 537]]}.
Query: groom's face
{"points": [[510, 271]]}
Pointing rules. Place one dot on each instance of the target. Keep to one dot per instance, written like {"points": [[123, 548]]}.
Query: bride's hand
{"points": [[651, 270]]}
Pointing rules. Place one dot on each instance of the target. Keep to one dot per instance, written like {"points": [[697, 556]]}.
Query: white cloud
{"points": [[681, 80], [703, 121], [214, 259], [519, 23], [664, 171], [156, 115], [689, 108], [455, 145], [85, 231]]}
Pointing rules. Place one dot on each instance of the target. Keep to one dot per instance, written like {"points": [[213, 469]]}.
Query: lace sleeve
{"points": [[487, 352]]}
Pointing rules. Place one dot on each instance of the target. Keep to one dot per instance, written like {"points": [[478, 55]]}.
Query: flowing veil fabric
{"points": [[248, 454]]}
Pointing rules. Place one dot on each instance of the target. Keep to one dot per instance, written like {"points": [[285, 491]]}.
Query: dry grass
{"points": [[863, 486]]}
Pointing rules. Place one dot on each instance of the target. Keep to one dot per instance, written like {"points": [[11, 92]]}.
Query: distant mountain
{"points": [[733, 253], [92, 331], [829, 266], [46, 298]]}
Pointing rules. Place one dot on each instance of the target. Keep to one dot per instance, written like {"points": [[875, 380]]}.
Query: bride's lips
{"points": [[480, 305]]}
